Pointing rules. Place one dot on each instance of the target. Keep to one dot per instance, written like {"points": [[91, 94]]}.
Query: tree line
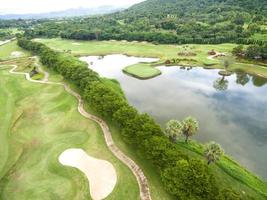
{"points": [[184, 177], [254, 52]]}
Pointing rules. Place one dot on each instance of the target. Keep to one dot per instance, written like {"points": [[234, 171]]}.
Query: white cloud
{"points": [[38, 6]]}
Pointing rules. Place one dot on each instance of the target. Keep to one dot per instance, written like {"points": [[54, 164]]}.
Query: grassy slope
{"points": [[230, 173], [163, 52], [38, 122]]}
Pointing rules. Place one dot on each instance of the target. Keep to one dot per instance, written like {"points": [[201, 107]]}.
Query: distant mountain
{"points": [[65, 13]]}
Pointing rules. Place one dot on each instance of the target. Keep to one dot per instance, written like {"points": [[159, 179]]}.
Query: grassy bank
{"points": [[38, 122], [197, 55], [229, 172]]}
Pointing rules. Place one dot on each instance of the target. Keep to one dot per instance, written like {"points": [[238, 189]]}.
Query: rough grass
{"points": [[38, 122], [163, 52], [142, 71]]}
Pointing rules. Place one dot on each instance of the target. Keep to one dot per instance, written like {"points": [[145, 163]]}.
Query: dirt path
{"points": [[141, 179]]}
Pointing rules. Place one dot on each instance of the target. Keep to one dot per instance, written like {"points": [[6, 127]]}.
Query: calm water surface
{"points": [[231, 110]]}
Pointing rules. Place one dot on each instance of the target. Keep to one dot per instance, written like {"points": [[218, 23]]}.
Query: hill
{"points": [[172, 21]]}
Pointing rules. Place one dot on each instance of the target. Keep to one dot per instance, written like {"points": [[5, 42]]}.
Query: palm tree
{"points": [[173, 130], [189, 127], [213, 152]]}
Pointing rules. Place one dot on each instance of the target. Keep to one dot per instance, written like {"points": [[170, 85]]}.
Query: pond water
{"points": [[231, 110]]}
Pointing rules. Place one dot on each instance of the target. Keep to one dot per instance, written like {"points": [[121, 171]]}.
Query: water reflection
{"points": [[221, 84], [232, 110]]}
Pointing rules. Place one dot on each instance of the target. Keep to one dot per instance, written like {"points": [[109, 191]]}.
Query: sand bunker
{"points": [[76, 44], [16, 54], [101, 174]]}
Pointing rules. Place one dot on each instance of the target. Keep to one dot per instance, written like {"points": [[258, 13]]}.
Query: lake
{"points": [[231, 110]]}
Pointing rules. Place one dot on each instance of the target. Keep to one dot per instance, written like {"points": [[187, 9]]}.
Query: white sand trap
{"points": [[16, 54], [76, 44], [101, 174]]}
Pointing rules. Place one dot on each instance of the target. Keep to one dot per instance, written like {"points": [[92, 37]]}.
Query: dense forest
{"points": [[168, 21]]}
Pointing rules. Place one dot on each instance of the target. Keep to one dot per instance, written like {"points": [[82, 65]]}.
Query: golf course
{"points": [[185, 55], [40, 122], [133, 100]]}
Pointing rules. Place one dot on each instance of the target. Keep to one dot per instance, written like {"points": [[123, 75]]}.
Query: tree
{"points": [[253, 52], [254, 28], [189, 127], [238, 50], [190, 180], [230, 194], [239, 20], [226, 64], [242, 78], [173, 130], [213, 152]]}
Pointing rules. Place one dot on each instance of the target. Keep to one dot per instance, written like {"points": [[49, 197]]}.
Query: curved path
{"points": [[141, 179]]}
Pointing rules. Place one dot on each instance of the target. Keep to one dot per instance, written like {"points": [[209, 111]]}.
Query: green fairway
{"points": [[163, 52], [142, 71], [9, 48], [38, 122]]}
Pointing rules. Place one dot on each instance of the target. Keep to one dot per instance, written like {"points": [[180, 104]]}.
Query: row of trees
{"points": [[187, 128], [184, 177], [258, 52]]}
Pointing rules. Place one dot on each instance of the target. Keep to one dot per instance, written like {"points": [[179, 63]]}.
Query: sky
{"points": [[41, 6]]}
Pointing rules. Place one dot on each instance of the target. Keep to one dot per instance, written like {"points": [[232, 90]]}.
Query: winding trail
{"points": [[136, 170]]}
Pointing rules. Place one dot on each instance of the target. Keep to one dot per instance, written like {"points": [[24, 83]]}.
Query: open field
{"points": [[9, 48], [39, 123], [163, 52]]}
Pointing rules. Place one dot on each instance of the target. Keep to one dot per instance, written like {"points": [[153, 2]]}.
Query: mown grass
{"points": [[163, 52], [7, 49], [38, 122], [142, 71]]}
